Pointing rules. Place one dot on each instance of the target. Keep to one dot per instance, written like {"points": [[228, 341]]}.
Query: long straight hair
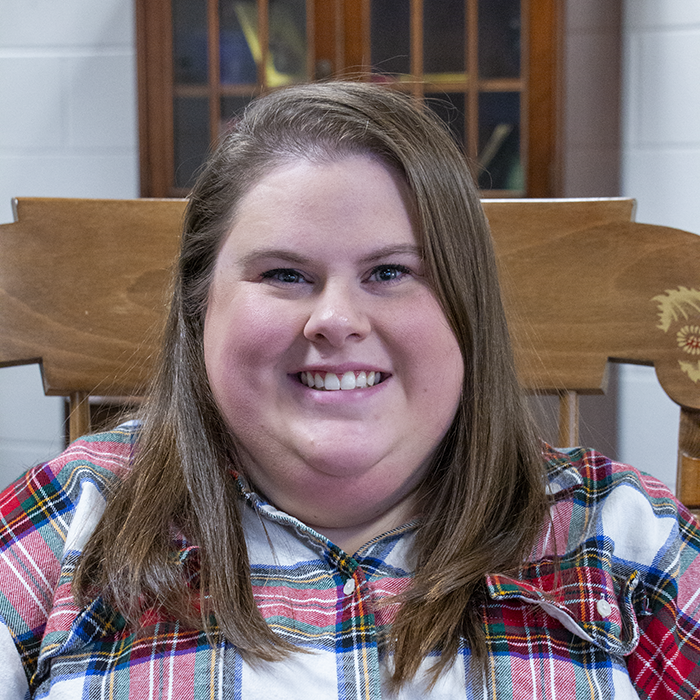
{"points": [[483, 500]]}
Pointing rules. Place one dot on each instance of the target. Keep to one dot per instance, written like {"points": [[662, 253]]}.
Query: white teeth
{"points": [[332, 382], [347, 382]]}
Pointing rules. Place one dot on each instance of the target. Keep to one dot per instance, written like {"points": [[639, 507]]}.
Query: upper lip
{"points": [[341, 369]]}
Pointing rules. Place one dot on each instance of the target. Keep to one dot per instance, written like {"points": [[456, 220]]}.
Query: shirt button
{"points": [[349, 586], [604, 608]]}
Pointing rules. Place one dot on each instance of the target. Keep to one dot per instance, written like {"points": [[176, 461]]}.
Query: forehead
{"points": [[340, 198]]}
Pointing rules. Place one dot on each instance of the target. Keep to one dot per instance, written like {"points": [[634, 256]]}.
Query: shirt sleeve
{"points": [[33, 525], [666, 662], [13, 680], [46, 516]]}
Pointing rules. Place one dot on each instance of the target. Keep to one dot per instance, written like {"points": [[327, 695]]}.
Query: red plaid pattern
{"points": [[620, 617]]}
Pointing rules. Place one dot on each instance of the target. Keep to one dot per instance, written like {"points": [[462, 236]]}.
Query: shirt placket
{"points": [[356, 635]]}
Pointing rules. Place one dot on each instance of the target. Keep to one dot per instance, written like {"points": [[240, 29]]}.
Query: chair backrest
{"points": [[83, 287], [83, 290], [583, 284]]}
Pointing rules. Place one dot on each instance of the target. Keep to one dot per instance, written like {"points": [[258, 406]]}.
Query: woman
{"points": [[334, 489]]}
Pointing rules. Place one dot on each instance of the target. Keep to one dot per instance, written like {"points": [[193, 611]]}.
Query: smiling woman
{"points": [[321, 275], [334, 489]]}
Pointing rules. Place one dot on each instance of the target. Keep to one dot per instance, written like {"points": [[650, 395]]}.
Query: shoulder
{"points": [[617, 566], [46, 516], [630, 514], [50, 491], [592, 476], [40, 509]]}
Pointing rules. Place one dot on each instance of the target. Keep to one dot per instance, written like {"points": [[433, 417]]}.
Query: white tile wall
{"points": [[99, 89], [66, 175], [30, 423], [668, 86], [647, 424], [661, 169], [67, 129], [47, 25], [25, 122], [672, 198], [660, 14]]}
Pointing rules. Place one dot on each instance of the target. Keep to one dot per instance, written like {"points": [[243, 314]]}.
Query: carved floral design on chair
{"points": [[679, 312]]}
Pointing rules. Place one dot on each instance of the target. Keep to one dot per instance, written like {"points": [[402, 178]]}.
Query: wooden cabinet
{"points": [[488, 67]]}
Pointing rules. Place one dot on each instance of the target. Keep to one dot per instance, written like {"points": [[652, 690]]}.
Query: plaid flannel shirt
{"points": [[621, 619]]}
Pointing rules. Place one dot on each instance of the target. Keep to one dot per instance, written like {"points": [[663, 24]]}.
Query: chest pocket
{"points": [[588, 602]]}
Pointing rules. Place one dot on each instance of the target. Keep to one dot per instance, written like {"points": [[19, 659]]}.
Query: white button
{"points": [[603, 607], [349, 586]]}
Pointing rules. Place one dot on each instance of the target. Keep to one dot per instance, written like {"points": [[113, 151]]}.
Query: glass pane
{"points": [[444, 40], [499, 39], [190, 41], [286, 36], [450, 108], [236, 59], [192, 137], [288, 43], [500, 166], [231, 109], [391, 36]]}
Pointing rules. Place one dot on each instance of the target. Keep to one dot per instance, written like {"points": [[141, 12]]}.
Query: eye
{"points": [[284, 275], [388, 273]]}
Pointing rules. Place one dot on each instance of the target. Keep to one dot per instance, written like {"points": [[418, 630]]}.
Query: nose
{"points": [[337, 316]]}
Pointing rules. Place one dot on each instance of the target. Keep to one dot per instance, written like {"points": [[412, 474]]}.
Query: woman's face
{"points": [[320, 285]]}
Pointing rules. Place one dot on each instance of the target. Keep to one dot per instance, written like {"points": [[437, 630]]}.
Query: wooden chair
{"points": [[83, 288]]}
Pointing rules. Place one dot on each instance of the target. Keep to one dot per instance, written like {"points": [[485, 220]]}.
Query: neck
{"points": [[351, 538]]}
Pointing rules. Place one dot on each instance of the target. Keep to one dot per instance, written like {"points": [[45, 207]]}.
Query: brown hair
{"points": [[484, 497]]}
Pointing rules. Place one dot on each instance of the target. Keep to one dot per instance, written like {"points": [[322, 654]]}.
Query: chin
{"points": [[341, 463]]}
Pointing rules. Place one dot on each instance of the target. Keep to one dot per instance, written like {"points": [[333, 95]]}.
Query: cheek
{"points": [[232, 336], [242, 336], [432, 351]]}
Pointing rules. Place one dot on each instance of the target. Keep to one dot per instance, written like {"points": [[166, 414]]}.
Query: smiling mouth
{"points": [[329, 381]]}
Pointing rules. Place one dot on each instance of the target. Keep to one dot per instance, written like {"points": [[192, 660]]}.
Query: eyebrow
{"points": [[279, 253], [388, 251], [295, 258]]}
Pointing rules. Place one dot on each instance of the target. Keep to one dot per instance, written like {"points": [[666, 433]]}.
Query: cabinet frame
{"points": [[341, 38]]}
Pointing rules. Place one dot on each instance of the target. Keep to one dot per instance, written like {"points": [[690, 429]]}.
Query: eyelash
{"points": [[393, 269], [280, 273]]}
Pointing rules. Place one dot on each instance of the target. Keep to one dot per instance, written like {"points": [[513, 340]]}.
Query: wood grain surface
{"points": [[84, 287]]}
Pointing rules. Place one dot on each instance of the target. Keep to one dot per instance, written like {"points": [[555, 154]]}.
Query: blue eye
{"points": [[284, 275], [388, 273]]}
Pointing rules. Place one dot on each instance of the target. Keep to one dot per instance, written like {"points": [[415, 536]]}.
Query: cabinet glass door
{"points": [[464, 58], [224, 53]]}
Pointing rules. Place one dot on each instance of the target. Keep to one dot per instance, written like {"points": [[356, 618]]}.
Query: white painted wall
{"points": [[661, 169], [68, 128]]}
